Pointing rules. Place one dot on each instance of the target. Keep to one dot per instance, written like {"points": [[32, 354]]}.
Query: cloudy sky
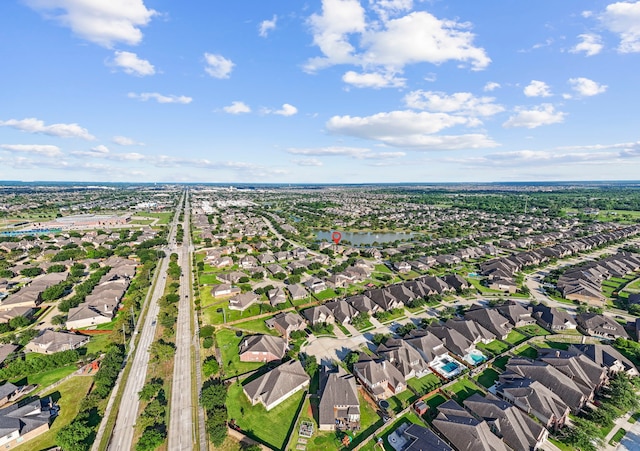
{"points": [[335, 91]]}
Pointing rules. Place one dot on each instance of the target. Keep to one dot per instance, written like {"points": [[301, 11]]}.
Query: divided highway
{"points": [[182, 434]]}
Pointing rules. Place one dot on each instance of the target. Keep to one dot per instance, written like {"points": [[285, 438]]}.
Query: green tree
{"points": [[150, 439], [210, 366], [74, 436], [31, 272], [213, 394]]}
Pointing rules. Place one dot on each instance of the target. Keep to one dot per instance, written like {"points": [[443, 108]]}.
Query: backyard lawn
{"points": [[211, 315], [501, 362], [495, 347], [488, 377], [46, 378], [257, 325], [271, 427], [208, 279], [515, 338], [425, 384], [533, 330], [228, 343], [401, 400], [464, 388], [527, 351]]}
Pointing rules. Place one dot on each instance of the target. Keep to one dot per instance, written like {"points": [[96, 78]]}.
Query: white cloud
{"points": [[124, 141], [491, 86], [592, 155], [586, 87], [421, 37], [218, 66], [373, 80], [544, 114], [237, 107], [410, 129], [590, 44], [359, 153], [266, 26], [104, 22], [623, 19], [331, 31], [286, 110], [33, 125], [131, 64], [537, 89], [38, 149], [389, 43], [100, 149], [160, 98], [311, 162], [463, 103]]}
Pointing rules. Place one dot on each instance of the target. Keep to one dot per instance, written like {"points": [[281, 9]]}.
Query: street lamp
{"points": [[224, 314]]}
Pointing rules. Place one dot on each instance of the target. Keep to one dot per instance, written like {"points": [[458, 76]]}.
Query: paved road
{"points": [[181, 425], [122, 436]]}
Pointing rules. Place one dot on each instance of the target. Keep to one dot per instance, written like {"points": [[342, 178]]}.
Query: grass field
{"points": [[401, 400], [527, 351], [495, 347], [488, 377], [533, 330], [228, 343], [464, 388], [208, 279], [46, 378], [70, 394], [257, 325], [163, 218], [271, 427], [424, 384], [211, 315], [515, 338]]}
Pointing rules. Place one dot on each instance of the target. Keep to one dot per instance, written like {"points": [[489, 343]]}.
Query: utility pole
{"points": [[133, 317]]}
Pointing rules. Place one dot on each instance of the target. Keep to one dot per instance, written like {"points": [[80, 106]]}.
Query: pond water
{"points": [[365, 238]]}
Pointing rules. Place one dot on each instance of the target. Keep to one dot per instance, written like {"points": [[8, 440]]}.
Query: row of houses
{"points": [[101, 305], [500, 271], [28, 298], [584, 282], [384, 299]]}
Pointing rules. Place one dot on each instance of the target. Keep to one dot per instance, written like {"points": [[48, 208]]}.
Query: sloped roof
{"points": [[272, 386]]}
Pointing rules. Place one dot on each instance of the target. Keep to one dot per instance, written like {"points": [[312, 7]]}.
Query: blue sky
{"points": [[335, 91]]}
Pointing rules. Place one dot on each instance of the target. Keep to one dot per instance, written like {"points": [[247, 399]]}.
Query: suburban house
{"points": [[22, 422], [402, 267], [404, 357], [491, 320], [608, 357], [573, 393], [379, 377], [262, 348], [339, 404], [471, 330], [517, 315], [535, 399], [49, 342], [516, 428], [286, 322], [464, 431], [315, 285], [552, 318], [243, 301], [277, 296], [7, 392], [363, 304], [297, 292], [224, 289], [576, 366], [453, 340], [598, 325], [428, 345], [342, 311], [275, 386], [457, 282], [319, 315], [85, 315]]}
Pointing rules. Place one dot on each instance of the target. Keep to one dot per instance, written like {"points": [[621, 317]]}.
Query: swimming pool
{"points": [[450, 367], [475, 357]]}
